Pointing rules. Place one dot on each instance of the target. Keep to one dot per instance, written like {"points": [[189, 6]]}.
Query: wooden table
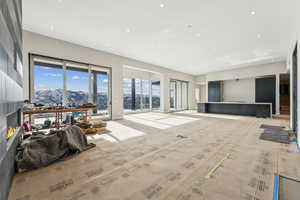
{"points": [[58, 113]]}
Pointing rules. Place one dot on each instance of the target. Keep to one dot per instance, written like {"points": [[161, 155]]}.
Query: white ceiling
{"points": [[192, 36]]}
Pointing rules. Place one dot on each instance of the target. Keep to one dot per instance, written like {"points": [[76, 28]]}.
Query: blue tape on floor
{"points": [[276, 187]]}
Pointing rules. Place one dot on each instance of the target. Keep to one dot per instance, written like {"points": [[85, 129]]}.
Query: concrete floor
{"points": [[142, 158]]}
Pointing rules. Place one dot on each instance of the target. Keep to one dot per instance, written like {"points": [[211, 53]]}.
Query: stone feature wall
{"points": [[11, 88]]}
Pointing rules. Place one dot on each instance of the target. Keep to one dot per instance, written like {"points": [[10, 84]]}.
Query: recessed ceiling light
{"points": [[198, 35], [166, 31], [253, 12], [162, 5], [258, 36]]}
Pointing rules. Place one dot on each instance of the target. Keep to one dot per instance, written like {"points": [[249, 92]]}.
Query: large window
{"points": [[178, 95], [155, 94], [77, 86], [145, 94], [101, 92], [173, 95], [60, 82], [127, 94], [48, 84], [137, 95]]}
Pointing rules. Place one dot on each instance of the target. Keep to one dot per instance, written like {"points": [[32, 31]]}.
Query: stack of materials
{"points": [[40, 149], [274, 134], [93, 127]]}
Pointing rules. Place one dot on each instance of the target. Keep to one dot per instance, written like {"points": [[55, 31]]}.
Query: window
{"points": [[136, 94], [48, 84], [197, 94], [178, 95], [172, 95], [155, 94], [145, 94], [77, 86], [127, 93], [60, 82], [101, 92]]}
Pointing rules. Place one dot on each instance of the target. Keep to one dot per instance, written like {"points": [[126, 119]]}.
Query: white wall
{"points": [[249, 72], [242, 90], [131, 73], [42, 45]]}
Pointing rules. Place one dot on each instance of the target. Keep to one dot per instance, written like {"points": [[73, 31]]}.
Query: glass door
{"points": [[145, 95], [178, 95], [184, 95], [138, 94], [155, 94], [173, 95], [101, 94]]}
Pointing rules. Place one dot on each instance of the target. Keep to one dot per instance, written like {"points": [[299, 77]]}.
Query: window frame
{"points": [[33, 58]]}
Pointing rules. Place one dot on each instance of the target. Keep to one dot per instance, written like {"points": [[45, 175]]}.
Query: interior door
{"points": [[265, 91], [214, 91]]}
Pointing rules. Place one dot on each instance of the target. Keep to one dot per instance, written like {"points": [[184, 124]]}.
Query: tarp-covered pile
{"points": [[41, 150]]}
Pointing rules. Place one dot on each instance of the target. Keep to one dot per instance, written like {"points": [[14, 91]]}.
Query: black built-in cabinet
{"points": [[265, 91]]}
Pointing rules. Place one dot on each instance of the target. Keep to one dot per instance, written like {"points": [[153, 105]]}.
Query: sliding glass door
{"points": [[136, 95], [178, 95], [145, 95], [184, 91], [173, 95], [155, 94], [101, 93]]}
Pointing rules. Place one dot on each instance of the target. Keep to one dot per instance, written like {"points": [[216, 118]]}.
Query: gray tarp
{"points": [[41, 150]]}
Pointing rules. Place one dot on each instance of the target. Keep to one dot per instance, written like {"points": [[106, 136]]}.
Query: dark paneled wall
{"points": [[295, 90], [265, 91], [11, 90], [214, 91]]}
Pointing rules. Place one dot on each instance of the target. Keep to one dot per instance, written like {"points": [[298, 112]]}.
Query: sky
{"points": [[145, 87], [46, 78], [52, 78]]}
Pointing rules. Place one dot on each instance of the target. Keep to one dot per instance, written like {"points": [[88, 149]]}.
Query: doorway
{"points": [[101, 93], [178, 95], [265, 91], [284, 94]]}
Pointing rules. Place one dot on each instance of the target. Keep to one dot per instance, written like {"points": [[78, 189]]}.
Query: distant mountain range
{"points": [[76, 98]]}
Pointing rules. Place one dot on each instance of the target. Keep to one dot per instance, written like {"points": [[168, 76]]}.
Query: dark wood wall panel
{"points": [[11, 89], [214, 91], [265, 91]]}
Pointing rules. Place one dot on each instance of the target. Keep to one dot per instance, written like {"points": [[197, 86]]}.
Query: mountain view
{"points": [[76, 98]]}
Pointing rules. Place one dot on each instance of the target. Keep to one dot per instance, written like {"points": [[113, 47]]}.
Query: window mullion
{"points": [[65, 95]]}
